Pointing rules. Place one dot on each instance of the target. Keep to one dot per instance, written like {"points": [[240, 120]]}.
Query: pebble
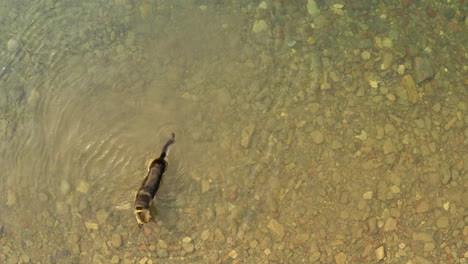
{"points": [[422, 236], [115, 259], [408, 83], [336, 144], [388, 146], [102, 216], [205, 186], [91, 226], [276, 228], [317, 137], [83, 187], [387, 61], [116, 240], [253, 244], [391, 97], [442, 222], [259, 26], [312, 9], [315, 256], [368, 195], [388, 43], [401, 69], [233, 254], [64, 187], [25, 258], [340, 258], [143, 260], [188, 246], [11, 198], [13, 45], [205, 234], [390, 224], [423, 68], [380, 253], [365, 55], [247, 135], [395, 189], [422, 207], [162, 253]]}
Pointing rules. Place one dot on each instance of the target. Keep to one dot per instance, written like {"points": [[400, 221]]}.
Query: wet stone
{"points": [[115, 259], [65, 187], [340, 258], [233, 254], [422, 207], [13, 45], [390, 224], [187, 244], [317, 137], [102, 216], [91, 226], [380, 253], [423, 69], [276, 228], [116, 240], [442, 222], [253, 244], [247, 135], [83, 187], [422, 236], [162, 253], [11, 198], [25, 258]]}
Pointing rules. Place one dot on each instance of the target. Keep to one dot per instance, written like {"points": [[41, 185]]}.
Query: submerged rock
{"points": [[423, 68]]}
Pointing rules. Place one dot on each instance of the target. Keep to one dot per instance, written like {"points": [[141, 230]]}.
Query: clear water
{"points": [[289, 145]]}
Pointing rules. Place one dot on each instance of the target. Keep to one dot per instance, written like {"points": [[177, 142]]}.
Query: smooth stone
{"points": [[312, 9], [116, 240], [368, 195], [13, 45], [390, 224], [64, 187], [317, 137], [388, 146], [233, 254], [246, 135], [102, 216], [11, 198], [115, 259], [422, 207], [380, 253], [91, 226], [276, 228], [253, 244], [259, 26], [442, 222], [408, 83], [423, 68], [422, 236], [365, 55], [188, 247], [83, 187]]}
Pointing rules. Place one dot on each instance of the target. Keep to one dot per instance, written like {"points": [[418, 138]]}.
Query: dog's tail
{"points": [[165, 149]]}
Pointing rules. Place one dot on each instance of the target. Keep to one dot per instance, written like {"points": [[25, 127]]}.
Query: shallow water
{"points": [[291, 145]]}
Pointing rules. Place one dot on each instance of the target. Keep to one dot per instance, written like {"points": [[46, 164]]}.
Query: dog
{"points": [[150, 185]]}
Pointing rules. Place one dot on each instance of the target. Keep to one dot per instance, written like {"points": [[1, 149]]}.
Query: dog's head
{"points": [[142, 215]]}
